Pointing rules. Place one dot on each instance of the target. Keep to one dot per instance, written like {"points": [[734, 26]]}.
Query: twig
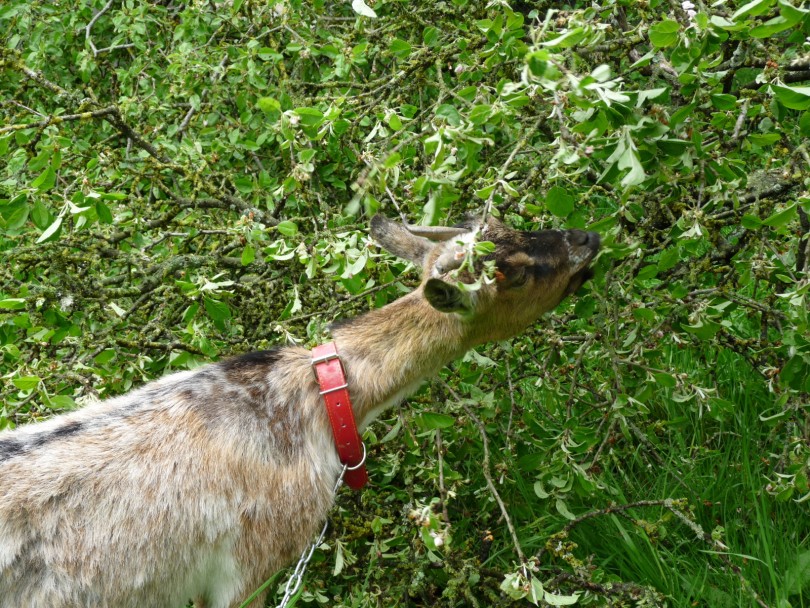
{"points": [[40, 79], [735, 136], [612, 588], [117, 121], [511, 413], [55, 120], [488, 476], [442, 489], [574, 373], [396, 204], [505, 167], [94, 19], [602, 445], [33, 111], [96, 51], [117, 47]]}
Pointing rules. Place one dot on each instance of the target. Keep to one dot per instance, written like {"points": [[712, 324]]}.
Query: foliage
{"points": [[184, 181]]}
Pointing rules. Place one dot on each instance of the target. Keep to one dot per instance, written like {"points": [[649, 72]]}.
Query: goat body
{"points": [[202, 484]]}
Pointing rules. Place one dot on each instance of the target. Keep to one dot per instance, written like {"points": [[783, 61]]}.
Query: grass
{"points": [[721, 465]]}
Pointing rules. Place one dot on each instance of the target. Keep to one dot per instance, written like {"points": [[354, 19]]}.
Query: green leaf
{"points": [[52, 232], [781, 218], [680, 115], [665, 380], [248, 254], [15, 214], [45, 181], [585, 307], [563, 510], [394, 121], [449, 113], [703, 329], [750, 222], [310, 117], [560, 600], [795, 98], [191, 312], [645, 314], [540, 490], [10, 11], [797, 575], [61, 402], [104, 213], [566, 40], [804, 124], [287, 228], [668, 259], [649, 94], [722, 101], [771, 27], [430, 36], [537, 592], [400, 48], [790, 16], [25, 383], [485, 192], [338, 559], [243, 183], [484, 247], [724, 24], [532, 461], [105, 356], [559, 201], [217, 310], [431, 421], [12, 304], [629, 160], [269, 105], [361, 8], [665, 33], [752, 9], [392, 160], [112, 196], [512, 585], [480, 114], [764, 139]]}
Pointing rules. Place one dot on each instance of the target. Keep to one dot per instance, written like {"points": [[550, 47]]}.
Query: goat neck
{"points": [[388, 352]]}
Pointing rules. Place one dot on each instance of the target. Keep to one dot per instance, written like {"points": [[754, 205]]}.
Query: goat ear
{"points": [[397, 239], [446, 297]]}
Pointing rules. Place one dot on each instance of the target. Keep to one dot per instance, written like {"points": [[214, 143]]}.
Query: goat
{"points": [[200, 485]]}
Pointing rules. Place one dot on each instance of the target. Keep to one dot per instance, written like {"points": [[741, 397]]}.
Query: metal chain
{"points": [[297, 577]]}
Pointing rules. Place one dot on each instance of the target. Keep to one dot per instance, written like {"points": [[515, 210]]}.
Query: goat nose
{"points": [[579, 238]]}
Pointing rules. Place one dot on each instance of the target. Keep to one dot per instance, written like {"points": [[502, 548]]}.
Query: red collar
{"points": [[334, 389]]}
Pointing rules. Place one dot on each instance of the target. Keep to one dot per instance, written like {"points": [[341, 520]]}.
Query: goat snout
{"points": [[581, 238]]}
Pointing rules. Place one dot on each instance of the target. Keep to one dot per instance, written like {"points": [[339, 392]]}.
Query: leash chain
{"points": [[297, 577]]}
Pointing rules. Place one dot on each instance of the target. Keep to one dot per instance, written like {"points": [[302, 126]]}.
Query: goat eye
{"points": [[521, 278]]}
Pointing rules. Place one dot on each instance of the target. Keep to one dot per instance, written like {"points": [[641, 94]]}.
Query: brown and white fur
{"points": [[203, 483]]}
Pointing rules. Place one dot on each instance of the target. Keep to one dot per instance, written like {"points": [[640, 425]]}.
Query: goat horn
{"points": [[435, 233]]}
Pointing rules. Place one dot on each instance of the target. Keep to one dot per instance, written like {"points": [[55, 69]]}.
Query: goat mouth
{"points": [[578, 279]]}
